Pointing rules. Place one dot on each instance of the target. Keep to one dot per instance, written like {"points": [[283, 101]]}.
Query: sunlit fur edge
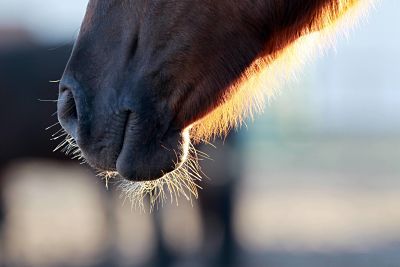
{"points": [[268, 74]]}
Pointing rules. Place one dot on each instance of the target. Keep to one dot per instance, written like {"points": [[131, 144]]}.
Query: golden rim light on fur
{"points": [[263, 79]]}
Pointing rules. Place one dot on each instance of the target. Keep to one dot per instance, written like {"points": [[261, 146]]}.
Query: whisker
{"points": [[60, 130], [47, 100], [51, 126], [58, 136], [182, 182]]}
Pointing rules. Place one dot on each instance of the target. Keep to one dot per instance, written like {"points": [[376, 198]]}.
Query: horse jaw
{"points": [[265, 77]]}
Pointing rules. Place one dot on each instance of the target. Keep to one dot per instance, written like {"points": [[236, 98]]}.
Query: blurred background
{"points": [[314, 181]]}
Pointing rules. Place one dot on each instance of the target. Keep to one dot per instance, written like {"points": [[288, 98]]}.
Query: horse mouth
{"points": [[171, 171], [166, 175]]}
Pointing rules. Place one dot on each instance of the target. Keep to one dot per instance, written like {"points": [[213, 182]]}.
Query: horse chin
{"points": [[181, 181]]}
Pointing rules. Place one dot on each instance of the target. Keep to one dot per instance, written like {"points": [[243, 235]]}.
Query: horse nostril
{"points": [[67, 111]]}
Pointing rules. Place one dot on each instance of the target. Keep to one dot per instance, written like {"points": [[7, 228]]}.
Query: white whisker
{"points": [[182, 182]]}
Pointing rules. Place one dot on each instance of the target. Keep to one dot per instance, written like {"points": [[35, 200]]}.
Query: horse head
{"points": [[145, 77]]}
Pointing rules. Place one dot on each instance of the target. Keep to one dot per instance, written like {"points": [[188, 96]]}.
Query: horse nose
{"points": [[67, 110]]}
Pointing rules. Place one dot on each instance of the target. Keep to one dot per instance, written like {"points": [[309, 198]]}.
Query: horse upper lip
{"points": [[125, 130]]}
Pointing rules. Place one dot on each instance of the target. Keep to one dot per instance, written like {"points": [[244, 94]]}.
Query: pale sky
{"points": [[60, 19], [48, 20]]}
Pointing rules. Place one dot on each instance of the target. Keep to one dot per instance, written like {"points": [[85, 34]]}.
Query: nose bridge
{"points": [[95, 62], [104, 40], [87, 80], [102, 47], [92, 83]]}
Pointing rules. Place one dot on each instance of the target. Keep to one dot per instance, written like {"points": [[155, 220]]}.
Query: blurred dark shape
{"points": [[217, 202], [29, 101], [25, 72]]}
